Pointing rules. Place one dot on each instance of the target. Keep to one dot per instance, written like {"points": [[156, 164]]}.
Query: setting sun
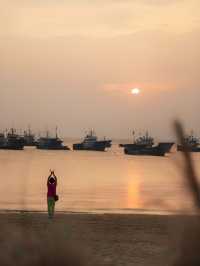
{"points": [[135, 91]]}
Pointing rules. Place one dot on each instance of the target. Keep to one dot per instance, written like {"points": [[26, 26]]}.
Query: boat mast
{"points": [[29, 130], [133, 133], [56, 132]]}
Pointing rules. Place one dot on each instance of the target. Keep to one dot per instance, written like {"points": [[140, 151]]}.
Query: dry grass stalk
{"points": [[189, 249]]}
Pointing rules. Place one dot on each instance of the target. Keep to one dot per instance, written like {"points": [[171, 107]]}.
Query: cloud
{"points": [[162, 2], [39, 3], [100, 18]]}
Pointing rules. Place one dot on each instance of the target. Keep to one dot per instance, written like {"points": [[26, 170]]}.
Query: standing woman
{"points": [[51, 193]]}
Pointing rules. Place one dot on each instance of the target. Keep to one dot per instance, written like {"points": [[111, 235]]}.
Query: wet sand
{"points": [[106, 239]]}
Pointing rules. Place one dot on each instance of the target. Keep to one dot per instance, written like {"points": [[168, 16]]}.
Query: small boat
{"points": [[50, 143], [91, 143], [12, 141], [159, 150], [191, 144]]}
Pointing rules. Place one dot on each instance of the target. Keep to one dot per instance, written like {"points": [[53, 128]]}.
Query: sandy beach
{"points": [[104, 239]]}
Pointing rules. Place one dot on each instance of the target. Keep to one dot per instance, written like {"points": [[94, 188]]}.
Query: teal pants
{"points": [[51, 206]]}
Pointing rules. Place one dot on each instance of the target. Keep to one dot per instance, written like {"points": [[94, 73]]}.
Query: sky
{"points": [[73, 63]]}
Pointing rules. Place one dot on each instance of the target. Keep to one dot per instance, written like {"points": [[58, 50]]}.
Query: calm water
{"points": [[94, 181]]}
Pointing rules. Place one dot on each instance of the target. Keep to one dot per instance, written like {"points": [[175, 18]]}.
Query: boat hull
{"points": [[6, 147], [65, 148], [160, 150], [134, 146], [190, 149], [149, 152], [30, 144], [97, 146]]}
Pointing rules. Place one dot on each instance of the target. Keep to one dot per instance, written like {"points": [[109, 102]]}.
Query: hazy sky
{"points": [[72, 63]]}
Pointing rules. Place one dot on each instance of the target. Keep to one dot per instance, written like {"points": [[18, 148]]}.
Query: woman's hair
{"points": [[52, 180]]}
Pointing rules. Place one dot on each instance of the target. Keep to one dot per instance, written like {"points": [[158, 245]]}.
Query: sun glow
{"points": [[135, 91]]}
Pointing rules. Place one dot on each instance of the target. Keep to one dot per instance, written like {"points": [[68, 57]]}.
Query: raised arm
{"points": [[55, 177], [52, 174], [48, 178]]}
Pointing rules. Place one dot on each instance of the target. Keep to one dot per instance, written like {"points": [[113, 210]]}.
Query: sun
{"points": [[135, 91]]}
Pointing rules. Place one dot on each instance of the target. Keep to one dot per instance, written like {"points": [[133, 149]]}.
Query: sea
{"points": [[95, 182]]}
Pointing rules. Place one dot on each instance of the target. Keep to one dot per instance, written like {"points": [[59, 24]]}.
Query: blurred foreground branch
{"points": [[189, 172], [190, 242]]}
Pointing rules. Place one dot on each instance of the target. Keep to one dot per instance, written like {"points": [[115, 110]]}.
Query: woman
{"points": [[51, 193]]}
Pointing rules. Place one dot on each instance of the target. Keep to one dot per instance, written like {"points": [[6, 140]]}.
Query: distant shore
{"points": [[107, 239]]}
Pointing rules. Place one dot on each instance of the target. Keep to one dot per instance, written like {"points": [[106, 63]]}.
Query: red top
{"points": [[51, 189]]}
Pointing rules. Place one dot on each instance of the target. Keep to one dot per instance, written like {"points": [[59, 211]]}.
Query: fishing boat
{"points": [[91, 143], [144, 145], [158, 150], [145, 141], [12, 141], [191, 144], [50, 143]]}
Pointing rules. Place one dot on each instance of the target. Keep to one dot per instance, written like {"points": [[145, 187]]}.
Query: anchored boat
{"points": [[159, 150], [91, 143], [145, 141], [144, 145], [50, 143], [191, 144], [12, 141]]}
